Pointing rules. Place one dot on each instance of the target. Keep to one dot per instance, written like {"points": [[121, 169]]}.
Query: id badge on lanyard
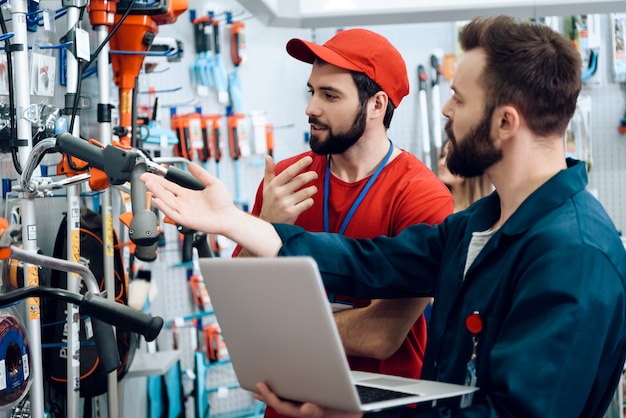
{"points": [[474, 324]]}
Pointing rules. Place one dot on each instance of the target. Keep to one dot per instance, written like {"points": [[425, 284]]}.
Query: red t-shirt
{"points": [[406, 192]]}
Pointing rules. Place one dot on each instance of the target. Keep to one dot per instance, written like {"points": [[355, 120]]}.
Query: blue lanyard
{"points": [[359, 198]]}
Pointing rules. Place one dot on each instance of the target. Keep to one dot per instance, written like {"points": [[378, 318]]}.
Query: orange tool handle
{"points": [[237, 42]]}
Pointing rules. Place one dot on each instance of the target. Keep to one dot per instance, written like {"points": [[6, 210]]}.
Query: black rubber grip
{"points": [[216, 37], [187, 250], [106, 345], [146, 253], [121, 316], [78, 147], [183, 178], [201, 243]]}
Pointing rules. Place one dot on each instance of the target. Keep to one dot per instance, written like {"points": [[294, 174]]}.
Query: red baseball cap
{"points": [[363, 51]]}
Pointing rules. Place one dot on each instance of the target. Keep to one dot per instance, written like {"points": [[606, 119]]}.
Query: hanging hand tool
{"points": [[237, 43], [211, 126], [180, 124], [217, 150], [201, 72], [212, 342], [219, 71], [239, 147], [437, 70], [217, 138], [235, 133], [237, 40], [206, 151], [421, 75]]}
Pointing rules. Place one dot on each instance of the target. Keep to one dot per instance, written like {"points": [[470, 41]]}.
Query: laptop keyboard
{"points": [[369, 394]]}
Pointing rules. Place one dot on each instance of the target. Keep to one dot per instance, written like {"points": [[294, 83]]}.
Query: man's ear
{"points": [[378, 103], [507, 121]]}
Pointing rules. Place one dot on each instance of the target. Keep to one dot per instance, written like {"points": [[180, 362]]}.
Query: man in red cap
{"points": [[359, 184]]}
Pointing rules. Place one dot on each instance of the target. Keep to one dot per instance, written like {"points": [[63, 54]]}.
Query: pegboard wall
{"points": [[274, 85]]}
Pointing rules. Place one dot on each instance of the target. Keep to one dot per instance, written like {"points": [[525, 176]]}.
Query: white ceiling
{"points": [[332, 13]]}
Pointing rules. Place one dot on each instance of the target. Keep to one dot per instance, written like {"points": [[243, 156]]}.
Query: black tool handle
{"points": [[216, 36], [217, 151], [201, 243], [78, 147], [421, 76], [204, 153], [121, 316], [235, 149], [437, 70], [187, 250], [106, 345], [183, 178], [116, 162]]}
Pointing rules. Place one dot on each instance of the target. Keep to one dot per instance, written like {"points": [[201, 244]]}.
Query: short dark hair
{"points": [[530, 66], [367, 88]]}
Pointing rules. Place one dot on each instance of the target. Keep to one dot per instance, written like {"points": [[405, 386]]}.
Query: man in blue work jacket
{"points": [[529, 282]]}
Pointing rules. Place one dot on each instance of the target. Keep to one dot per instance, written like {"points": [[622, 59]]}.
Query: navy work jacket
{"points": [[549, 287]]}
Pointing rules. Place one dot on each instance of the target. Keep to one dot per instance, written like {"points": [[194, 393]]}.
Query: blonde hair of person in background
{"points": [[465, 191]]}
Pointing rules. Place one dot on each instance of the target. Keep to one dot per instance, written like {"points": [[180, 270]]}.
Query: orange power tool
{"points": [[136, 34]]}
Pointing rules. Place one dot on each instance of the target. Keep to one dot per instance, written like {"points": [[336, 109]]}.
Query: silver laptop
{"points": [[278, 328]]}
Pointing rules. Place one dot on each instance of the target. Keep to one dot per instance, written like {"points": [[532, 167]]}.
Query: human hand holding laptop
{"points": [[301, 410]]}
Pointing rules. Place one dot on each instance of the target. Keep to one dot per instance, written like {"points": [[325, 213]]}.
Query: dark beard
{"points": [[338, 143], [475, 152]]}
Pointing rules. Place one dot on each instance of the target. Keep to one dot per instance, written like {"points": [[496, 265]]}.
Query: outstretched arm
{"points": [[212, 210]]}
